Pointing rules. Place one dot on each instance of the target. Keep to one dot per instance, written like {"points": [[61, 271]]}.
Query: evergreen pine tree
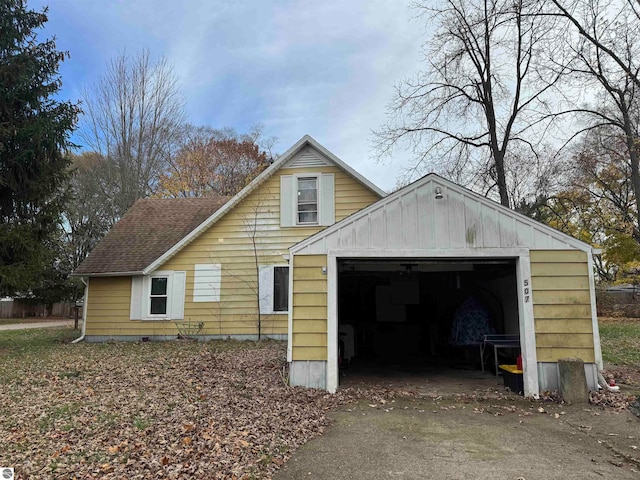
{"points": [[35, 131]]}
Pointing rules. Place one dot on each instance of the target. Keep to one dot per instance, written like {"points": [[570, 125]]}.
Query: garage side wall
{"points": [[562, 312], [309, 321]]}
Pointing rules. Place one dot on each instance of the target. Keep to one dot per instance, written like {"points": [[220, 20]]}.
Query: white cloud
{"points": [[323, 68]]}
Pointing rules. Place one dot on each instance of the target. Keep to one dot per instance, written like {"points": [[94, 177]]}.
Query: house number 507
{"points": [[526, 291]]}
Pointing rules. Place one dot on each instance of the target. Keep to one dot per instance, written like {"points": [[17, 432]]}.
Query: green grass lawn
{"points": [[620, 340], [35, 340]]}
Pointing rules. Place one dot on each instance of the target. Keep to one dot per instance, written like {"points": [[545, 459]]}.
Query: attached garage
{"points": [[421, 275]]}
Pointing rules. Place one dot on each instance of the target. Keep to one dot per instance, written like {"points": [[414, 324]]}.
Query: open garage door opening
{"points": [[417, 316]]}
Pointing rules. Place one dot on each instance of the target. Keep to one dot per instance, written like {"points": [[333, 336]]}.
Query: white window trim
{"points": [[267, 296], [147, 296], [296, 178]]}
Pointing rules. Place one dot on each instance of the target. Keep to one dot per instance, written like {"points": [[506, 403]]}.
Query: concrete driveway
{"points": [[460, 438]]}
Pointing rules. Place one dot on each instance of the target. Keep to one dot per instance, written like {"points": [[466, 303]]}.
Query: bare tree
{"points": [[606, 62], [480, 93], [90, 211], [133, 114]]}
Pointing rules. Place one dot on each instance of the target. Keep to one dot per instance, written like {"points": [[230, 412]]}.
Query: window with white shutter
{"points": [[307, 199], [159, 296]]}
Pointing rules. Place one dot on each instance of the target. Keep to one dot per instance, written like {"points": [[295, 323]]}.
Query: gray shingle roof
{"points": [[149, 229]]}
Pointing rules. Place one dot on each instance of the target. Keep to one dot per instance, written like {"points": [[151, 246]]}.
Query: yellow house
{"points": [[313, 253], [422, 275], [216, 262]]}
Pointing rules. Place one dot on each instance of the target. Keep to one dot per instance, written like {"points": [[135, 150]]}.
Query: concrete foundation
{"points": [[312, 374], [162, 338], [549, 376]]}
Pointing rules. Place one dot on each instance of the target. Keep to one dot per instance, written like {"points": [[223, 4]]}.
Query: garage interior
{"points": [[422, 316]]}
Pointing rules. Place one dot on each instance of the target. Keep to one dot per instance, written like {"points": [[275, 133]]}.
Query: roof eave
{"points": [[108, 274]]}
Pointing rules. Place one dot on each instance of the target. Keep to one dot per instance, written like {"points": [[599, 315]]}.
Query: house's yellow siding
{"points": [[309, 308], [108, 310], [228, 242], [561, 305]]}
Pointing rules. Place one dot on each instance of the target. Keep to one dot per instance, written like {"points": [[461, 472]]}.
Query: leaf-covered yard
{"points": [[150, 410]]}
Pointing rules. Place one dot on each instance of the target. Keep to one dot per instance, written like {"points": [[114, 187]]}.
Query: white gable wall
{"points": [[415, 220]]}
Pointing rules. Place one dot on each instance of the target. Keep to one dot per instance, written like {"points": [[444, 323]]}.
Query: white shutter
{"points": [[287, 205], [206, 283], [265, 288], [137, 298], [176, 302], [327, 200]]}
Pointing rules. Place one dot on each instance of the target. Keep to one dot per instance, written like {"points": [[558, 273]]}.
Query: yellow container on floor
{"points": [[512, 378]]}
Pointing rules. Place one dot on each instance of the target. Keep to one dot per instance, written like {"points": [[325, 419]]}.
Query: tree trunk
{"points": [[501, 178], [632, 146]]}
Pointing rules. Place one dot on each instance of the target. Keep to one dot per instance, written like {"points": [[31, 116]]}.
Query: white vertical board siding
{"points": [[440, 222], [377, 228], [361, 228], [424, 204], [473, 223], [393, 219], [206, 282], [456, 214], [412, 218], [409, 226]]}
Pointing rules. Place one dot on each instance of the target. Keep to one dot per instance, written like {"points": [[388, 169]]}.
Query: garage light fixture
{"points": [[438, 193]]}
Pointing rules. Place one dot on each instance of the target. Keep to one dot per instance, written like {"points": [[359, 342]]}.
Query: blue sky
{"points": [[323, 68]]}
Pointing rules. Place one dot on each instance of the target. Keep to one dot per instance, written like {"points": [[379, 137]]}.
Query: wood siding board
{"points": [[456, 219], [508, 233], [361, 227], [426, 231], [564, 325], [490, 227], [377, 228], [409, 228], [561, 297], [541, 239], [310, 326], [315, 312], [576, 282], [473, 223], [524, 234], [554, 354], [393, 222], [310, 339], [558, 269], [441, 220], [309, 353], [310, 299], [562, 340], [562, 305], [558, 256], [561, 311]]}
